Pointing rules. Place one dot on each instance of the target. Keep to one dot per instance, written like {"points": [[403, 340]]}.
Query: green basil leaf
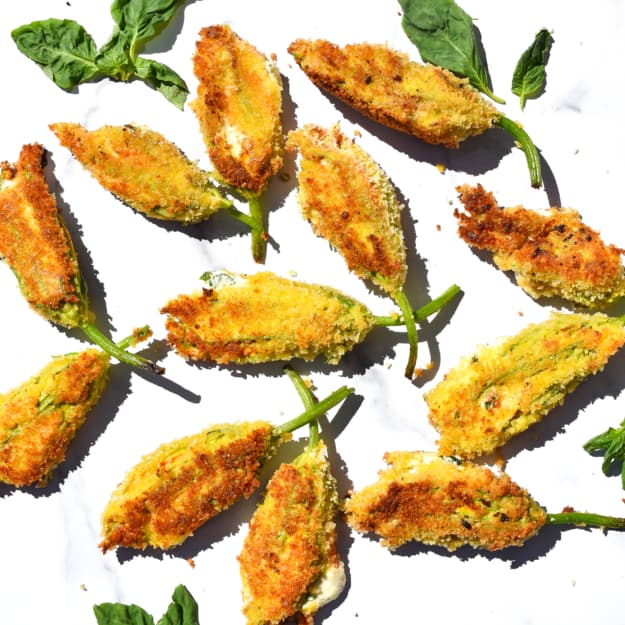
{"points": [[141, 20], [63, 49], [164, 79], [183, 610], [446, 36], [120, 614], [530, 75], [113, 58]]}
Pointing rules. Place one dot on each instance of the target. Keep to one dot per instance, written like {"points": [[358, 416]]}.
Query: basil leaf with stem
{"points": [[446, 36], [530, 75], [63, 49], [183, 610]]}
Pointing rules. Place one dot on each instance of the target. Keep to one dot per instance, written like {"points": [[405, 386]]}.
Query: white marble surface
{"points": [[52, 569]]}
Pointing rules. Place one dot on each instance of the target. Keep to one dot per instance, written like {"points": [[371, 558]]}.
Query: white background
{"points": [[52, 569]]}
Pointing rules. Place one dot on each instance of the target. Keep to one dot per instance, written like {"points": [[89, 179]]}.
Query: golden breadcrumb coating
{"points": [[35, 243], [40, 418], [439, 501], [503, 388], [182, 484], [144, 170], [238, 107], [289, 554], [263, 317], [552, 253], [385, 85], [350, 201]]}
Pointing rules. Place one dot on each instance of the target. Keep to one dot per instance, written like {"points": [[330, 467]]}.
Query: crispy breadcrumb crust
{"points": [[238, 106], [144, 170], [263, 317], [35, 243], [439, 501], [182, 484], [350, 201], [291, 540], [40, 418], [552, 253], [385, 85], [503, 388]]}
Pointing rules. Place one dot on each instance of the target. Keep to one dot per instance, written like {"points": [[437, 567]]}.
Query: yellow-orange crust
{"points": [[291, 540], [238, 107], [144, 170], [40, 418], [437, 501], [264, 317], [504, 388], [552, 253], [182, 484], [350, 202], [385, 85], [35, 243]]}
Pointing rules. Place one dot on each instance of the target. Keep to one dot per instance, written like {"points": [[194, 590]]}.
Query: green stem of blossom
{"points": [[587, 519], [315, 411], [422, 313], [528, 147], [113, 349], [308, 400]]}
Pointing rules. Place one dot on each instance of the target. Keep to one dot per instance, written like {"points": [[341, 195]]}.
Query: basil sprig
{"points": [[530, 75], [68, 55], [612, 444], [183, 610], [446, 36]]}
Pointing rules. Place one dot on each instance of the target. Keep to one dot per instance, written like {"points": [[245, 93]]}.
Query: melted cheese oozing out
{"points": [[326, 589]]}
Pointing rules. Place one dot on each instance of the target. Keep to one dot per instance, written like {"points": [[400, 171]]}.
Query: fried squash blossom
{"points": [[289, 564], [40, 418], [552, 253], [425, 101], [263, 317], [179, 486], [504, 388], [144, 170], [436, 500], [35, 243], [238, 106]]}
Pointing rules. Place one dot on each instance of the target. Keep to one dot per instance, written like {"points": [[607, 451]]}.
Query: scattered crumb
{"points": [[388, 363], [438, 227], [576, 151], [191, 562], [573, 582], [521, 313], [284, 176], [568, 509], [441, 167], [421, 370], [82, 586], [357, 133], [292, 273]]}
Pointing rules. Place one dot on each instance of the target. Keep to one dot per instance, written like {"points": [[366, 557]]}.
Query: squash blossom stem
{"points": [[308, 400], [315, 411], [427, 310], [118, 352], [586, 519], [411, 330], [259, 231], [528, 147]]}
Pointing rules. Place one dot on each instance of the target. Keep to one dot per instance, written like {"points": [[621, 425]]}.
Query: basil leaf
{"points": [[63, 49], [446, 36], [183, 609], [114, 59], [164, 79], [141, 20], [529, 75], [120, 614]]}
